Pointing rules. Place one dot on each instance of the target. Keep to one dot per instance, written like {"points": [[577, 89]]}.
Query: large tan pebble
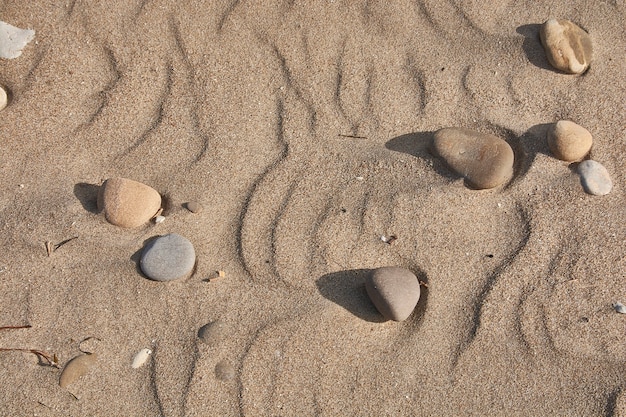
{"points": [[567, 46], [4, 98], [394, 291], [76, 368], [569, 141], [485, 161], [128, 203]]}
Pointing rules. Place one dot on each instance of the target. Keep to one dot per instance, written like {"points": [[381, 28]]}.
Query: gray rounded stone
{"points": [[394, 291], [168, 257], [567, 46], [485, 161], [595, 178]]}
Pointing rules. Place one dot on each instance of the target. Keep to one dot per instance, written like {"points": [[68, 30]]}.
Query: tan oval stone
{"points": [[484, 160], [128, 203], [76, 368], [567, 46], [569, 141], [394, 291]]}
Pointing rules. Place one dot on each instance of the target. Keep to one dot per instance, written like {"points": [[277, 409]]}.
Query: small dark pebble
{"points": [[213, 333]]}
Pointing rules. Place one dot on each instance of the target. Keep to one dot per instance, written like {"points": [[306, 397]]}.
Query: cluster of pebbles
{"points": [[485, 161]]}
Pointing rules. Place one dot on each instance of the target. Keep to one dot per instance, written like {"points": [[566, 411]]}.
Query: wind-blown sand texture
{"points": [[303, 130]]}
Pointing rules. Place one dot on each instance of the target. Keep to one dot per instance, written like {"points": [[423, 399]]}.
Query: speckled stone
{"points": [[128, 203], [76, 368], [168, 257], [567, 46], [394, 291], [569, 141], [595, 178], [485, 161]]}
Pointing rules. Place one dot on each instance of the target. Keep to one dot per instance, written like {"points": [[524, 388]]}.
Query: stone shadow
{"points": [[347, 289], [533, 48], [87, 194], [418, 144]]}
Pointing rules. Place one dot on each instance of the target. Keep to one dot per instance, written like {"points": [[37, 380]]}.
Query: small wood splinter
{"points": [[51, 247], [218, 275]]}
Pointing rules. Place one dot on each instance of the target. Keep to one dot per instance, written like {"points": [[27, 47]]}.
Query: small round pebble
{"points": [[168, 257], [76, 368], [128, 203], [194, 207], [141, 358], [213, 333], [569, 141], [4, 98], [485, 161], [595, 178], [224, 371], [394, 291], [567, 46], [619, 307]]}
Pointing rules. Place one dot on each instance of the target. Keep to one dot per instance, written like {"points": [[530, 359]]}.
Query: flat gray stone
{"points": [[567, 46], [394, 291], [484, 160], [168, 257], [595, 178]]}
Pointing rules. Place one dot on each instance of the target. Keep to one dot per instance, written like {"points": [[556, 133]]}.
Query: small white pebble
{"points": [[141, 357], [359, 178], [159, 219], [384, 238], [619, 307]]}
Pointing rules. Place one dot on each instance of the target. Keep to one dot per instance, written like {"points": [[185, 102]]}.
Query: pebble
{"points": [[567, 46], [168, 257], [595, 178], [485, 161], [76, 368], [213, 333], [224, 371], [128, 203], [141, 358], [569, 141], [4, 98], [194, 207], [394, 291]]}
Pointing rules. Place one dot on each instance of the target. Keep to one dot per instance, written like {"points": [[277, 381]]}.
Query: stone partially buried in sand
{"points": [[567, 46], [76, 368], [595, 178], [569, 141], [168, 257], [128, 203], [394, 291], [484, 160]]}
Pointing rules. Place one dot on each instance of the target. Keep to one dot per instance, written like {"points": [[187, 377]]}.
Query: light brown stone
{"points": [[567, 46], [128, 203], [569, 141], [484, 160], [76, 368], [4, 98], [394, 291]]}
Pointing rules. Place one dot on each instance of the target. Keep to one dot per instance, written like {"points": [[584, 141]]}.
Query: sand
{"points": [[302, 128]]}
